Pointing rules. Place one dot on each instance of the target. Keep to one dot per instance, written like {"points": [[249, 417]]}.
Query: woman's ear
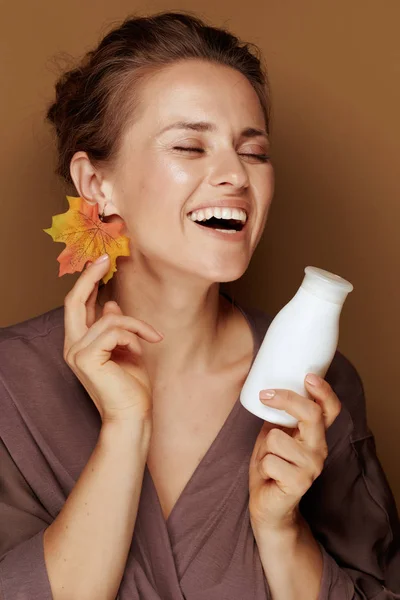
{"points": [[85, 177], [91, 184]]}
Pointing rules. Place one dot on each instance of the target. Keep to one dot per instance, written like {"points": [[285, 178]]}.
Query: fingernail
{"points": [[267, 394], [101, 259], [312, 379]]}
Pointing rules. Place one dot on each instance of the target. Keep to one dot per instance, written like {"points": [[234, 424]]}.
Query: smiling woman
{"points": [[126, 451]]}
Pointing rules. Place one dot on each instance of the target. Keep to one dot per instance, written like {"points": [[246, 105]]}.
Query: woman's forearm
{"points": [[86, 546], [292, 562]]}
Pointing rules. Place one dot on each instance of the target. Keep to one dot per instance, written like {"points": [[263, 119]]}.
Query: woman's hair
{"points": [[96, 100]]}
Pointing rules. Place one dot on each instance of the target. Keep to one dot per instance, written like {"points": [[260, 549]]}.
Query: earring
{"points": [[75, 229], [102, 215]]}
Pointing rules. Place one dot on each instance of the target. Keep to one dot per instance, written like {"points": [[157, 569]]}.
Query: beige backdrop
{"points": [[334, 68]]}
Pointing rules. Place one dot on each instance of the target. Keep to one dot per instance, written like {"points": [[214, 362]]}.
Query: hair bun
{"points": [[67, 88]]}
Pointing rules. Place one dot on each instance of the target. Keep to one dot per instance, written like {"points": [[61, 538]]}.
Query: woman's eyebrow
{"points": [[248, 132]]}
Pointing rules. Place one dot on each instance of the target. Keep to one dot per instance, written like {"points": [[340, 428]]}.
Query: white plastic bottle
{"points": [[301, 339]]}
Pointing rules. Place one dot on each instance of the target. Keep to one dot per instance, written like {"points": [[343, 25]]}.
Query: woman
{"points": [[131, 468]]}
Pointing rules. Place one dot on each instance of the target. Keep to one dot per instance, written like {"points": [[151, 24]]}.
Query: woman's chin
{"points": [[227, 274]]}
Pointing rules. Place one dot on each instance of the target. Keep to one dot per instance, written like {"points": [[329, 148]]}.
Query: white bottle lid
{"points": [[325, 285]]}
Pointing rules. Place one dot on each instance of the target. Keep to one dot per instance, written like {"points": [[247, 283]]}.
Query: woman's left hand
{"points": [[285, 462]]}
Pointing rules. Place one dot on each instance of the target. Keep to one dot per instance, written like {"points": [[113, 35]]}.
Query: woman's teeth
{"points": [[219, 213], [232, 219]]}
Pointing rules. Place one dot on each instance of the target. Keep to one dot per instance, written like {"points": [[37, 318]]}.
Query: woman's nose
{"points": [[228, 169]]}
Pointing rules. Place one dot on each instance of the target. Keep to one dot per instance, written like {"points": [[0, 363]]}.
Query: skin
{"points": [[153, 186]]}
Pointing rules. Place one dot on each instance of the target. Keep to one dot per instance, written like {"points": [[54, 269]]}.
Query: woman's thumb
{"points": [[111, 307]]}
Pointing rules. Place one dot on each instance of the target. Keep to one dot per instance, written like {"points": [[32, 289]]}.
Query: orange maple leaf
{"points": [[86, 237]]}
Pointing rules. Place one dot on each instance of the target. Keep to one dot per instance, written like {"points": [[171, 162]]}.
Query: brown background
{"points": [[334, 68]]}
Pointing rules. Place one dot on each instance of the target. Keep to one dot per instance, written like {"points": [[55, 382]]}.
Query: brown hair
{"points": [[94, 101]]}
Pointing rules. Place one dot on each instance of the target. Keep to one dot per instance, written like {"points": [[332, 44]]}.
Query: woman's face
{"points": [[164, 171]]}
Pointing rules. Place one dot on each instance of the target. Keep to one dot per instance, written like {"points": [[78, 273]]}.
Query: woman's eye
{"points": [[260, 157], [183, 148]]}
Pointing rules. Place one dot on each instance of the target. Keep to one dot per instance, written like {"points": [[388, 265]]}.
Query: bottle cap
{"points": [[326, 285]]}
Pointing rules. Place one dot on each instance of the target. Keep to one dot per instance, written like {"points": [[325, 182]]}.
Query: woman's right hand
{"points": [[105, 354]]}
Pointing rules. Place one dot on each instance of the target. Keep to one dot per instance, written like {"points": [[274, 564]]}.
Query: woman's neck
{"points": [[196, 328]]}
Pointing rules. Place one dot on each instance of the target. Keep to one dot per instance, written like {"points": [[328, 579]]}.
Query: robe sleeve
{"points": [[350, 506], [23, 520]]}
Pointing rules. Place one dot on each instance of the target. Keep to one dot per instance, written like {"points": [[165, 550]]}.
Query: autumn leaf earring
{"points": [[87, 237]]}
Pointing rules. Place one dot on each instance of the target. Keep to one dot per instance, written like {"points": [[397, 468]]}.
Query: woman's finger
{"points": [[285, 446], [111, 319], [75, 309], [291, 480], [311, 427], [91, 303], [100, 348], [325, 397]]}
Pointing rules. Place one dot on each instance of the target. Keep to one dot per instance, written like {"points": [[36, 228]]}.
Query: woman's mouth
{"points": [[225, 229], [222, 224]]}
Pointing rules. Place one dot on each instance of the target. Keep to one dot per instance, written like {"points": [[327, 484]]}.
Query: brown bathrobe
{"points": [[206, 549]]}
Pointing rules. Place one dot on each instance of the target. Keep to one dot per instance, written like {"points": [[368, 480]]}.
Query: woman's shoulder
{"points": [[48, 424], [32, 347], [39, 325], [344, 378]]}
